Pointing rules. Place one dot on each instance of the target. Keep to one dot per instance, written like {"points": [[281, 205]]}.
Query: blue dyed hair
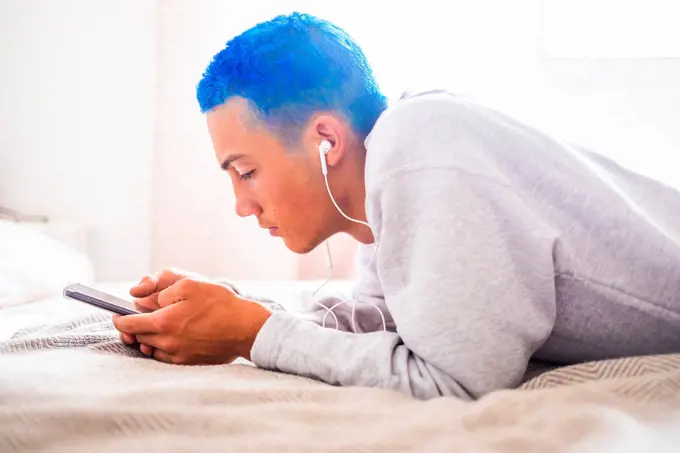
{"points": [[290, 67]]}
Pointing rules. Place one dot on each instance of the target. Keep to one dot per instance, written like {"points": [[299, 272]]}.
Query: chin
{"points": [[300, 247]]}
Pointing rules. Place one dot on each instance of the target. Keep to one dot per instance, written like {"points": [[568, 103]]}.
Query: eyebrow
{"points": [[228, 161]]}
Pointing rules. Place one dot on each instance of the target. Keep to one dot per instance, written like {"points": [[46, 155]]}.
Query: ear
{"points": [[333, 129]]}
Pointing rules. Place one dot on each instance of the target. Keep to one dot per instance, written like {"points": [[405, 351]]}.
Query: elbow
{"points": [[468, 383], [492, 378], [426, 381]]}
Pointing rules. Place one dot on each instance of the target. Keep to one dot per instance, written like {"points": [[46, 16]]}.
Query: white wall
{"points": [[76, 121]]}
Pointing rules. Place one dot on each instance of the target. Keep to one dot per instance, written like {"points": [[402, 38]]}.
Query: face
{"points": [[283, 188]]}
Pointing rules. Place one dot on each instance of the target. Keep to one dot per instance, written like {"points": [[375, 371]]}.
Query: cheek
{"points": [[287, 198], [294, 199], [290, 192]]}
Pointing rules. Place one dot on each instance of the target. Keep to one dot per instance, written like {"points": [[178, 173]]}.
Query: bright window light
{"points": [[607, 29]]}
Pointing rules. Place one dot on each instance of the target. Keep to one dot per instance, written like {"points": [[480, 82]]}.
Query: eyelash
{"points": [[246, 176]]}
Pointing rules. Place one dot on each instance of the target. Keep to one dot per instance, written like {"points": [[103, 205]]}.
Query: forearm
{"points": [[378, 359], [254, 316]]}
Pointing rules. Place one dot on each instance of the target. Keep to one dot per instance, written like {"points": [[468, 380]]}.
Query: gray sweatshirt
{"points": [[495, 244]]}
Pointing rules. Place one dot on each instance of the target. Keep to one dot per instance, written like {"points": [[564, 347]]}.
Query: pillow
{"points": [[34, 265]]}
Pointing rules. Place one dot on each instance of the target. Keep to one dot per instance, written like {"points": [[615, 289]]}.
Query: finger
{"points": [[181, 290], [162, 356], [148, 303], [137, 324], [168, 277], [145, 287], [146, 350], [127, 339], [157, 282], [165, 343]]}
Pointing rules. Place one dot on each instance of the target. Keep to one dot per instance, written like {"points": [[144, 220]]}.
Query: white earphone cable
{"points": [[323, 148], [328, 188], [330, 277]]}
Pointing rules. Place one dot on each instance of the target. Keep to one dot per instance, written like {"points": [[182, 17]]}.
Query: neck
{"points": [[353, 202]]}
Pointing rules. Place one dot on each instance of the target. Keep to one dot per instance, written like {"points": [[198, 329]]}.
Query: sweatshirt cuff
{"points": [[271, 338]]}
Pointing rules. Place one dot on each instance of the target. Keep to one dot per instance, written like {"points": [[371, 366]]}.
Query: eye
{"points": [[246, 176]]}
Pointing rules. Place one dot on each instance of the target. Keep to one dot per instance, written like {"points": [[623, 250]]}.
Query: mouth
{"points": [[272, 229]]}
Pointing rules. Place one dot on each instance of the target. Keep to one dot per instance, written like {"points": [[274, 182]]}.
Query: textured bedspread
{"points": [[74, 388]]}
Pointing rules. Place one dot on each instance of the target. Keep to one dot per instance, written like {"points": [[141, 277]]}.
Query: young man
{"points": [[489, 242]]}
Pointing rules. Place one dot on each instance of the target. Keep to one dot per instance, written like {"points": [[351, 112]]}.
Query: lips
{"points": [[273, 230]]}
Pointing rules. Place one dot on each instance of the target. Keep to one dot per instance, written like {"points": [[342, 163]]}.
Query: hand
{"points": [[147, 290], [198, 322], [146, 296]]}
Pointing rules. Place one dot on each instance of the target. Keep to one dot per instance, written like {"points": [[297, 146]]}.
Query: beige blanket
{"points": [[75, 389]]}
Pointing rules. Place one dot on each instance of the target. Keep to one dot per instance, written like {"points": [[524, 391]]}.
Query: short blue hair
{"points": [[290, 67]]}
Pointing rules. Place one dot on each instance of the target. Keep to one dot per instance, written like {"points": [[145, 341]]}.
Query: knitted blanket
{"points": [[75, 388]]}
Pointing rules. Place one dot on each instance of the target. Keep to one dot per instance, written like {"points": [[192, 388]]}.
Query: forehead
{"points": [[231, 127]]}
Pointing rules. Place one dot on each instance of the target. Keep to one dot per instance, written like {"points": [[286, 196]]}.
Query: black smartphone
{"points": [[91, 296]]}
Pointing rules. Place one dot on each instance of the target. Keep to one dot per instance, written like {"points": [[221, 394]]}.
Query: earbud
{"points": [[324, 147]]}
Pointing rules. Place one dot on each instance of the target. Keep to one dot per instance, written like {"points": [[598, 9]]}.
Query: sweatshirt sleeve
{"points": [[467, 274]]}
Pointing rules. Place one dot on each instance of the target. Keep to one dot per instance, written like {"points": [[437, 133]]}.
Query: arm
{"points": [[467, 273]]}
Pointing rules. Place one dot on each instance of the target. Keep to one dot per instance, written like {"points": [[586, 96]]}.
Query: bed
{"points": [[68, 385]]}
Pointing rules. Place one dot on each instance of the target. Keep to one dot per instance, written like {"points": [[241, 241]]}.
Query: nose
{"points": [[247, 206]]}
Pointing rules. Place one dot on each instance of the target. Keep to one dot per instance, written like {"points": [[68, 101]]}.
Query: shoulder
{"points": [[428, 129], [414, 110]]}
